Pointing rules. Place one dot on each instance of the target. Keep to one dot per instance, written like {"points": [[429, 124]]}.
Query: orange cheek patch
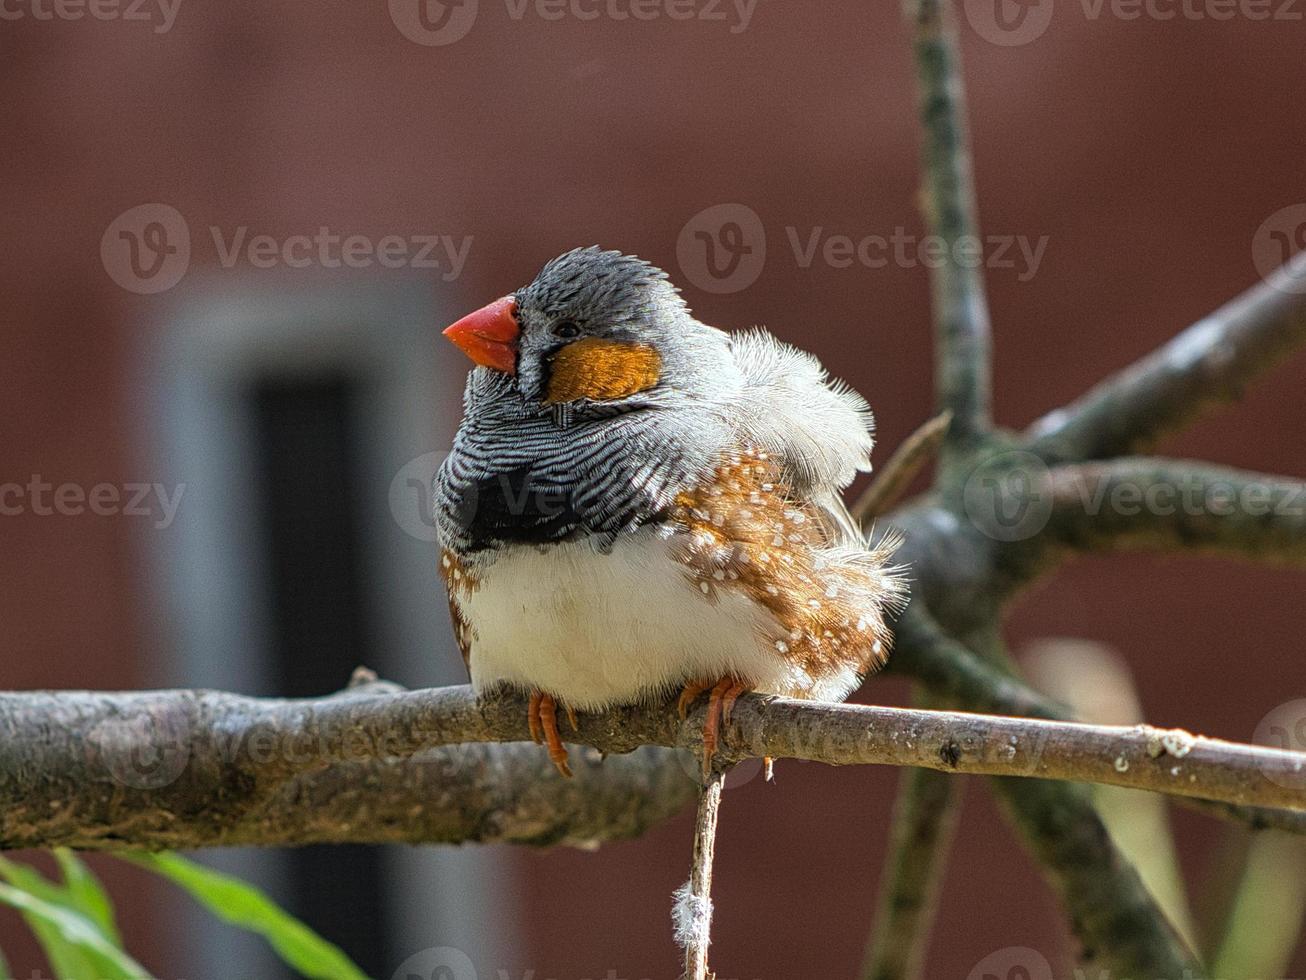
{"points": [[602, 370]]}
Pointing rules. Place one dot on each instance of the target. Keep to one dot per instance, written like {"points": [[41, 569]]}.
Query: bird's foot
{"points": [[720, 704], [542, 716], [692, 690]]}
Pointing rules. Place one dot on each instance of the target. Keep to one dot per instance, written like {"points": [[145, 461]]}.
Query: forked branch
{"points": [[1211, 362], [1179, 505]]}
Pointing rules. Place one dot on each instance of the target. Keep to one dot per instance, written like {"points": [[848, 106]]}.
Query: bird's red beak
{"points": [[489, 336]]}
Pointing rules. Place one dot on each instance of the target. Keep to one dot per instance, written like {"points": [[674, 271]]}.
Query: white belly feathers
{"points": [[594, 629]]}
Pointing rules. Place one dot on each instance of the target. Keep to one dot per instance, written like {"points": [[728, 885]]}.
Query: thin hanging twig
{"points": [[692, 913]]}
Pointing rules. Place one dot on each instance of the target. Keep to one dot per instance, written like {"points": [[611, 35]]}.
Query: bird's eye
{"points": [[566, 329]]}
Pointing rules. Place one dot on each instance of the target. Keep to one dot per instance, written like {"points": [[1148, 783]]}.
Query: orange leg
{"points": [[728, 700], [720, 704], [533, 718], [549, 723], [692, 690]]}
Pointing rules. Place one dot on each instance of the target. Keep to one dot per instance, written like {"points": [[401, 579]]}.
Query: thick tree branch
{"points": [[1209, 363], [1114, 916], [924, 820], [184, 770], [961, 315], [1174, 505], [78, 757]]}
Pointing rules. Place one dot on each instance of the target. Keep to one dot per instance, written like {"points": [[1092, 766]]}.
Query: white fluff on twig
{"points": [[692, 917]]}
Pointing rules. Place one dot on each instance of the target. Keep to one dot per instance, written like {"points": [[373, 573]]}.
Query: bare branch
{"points": [[1165, 504], [902, 466], [1113, 914], [924, 821], [1255, 817], [961, 316], [77, 754], [1209, 363], [181, 770]]}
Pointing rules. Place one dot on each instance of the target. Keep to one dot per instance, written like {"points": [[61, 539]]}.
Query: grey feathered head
{"points": [[598, 326]]}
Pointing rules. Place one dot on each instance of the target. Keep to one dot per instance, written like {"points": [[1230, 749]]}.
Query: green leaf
{"points": [[30, 880], [66, 959], [76, 932], [82, 894], [243, 905], [87, 894]]}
